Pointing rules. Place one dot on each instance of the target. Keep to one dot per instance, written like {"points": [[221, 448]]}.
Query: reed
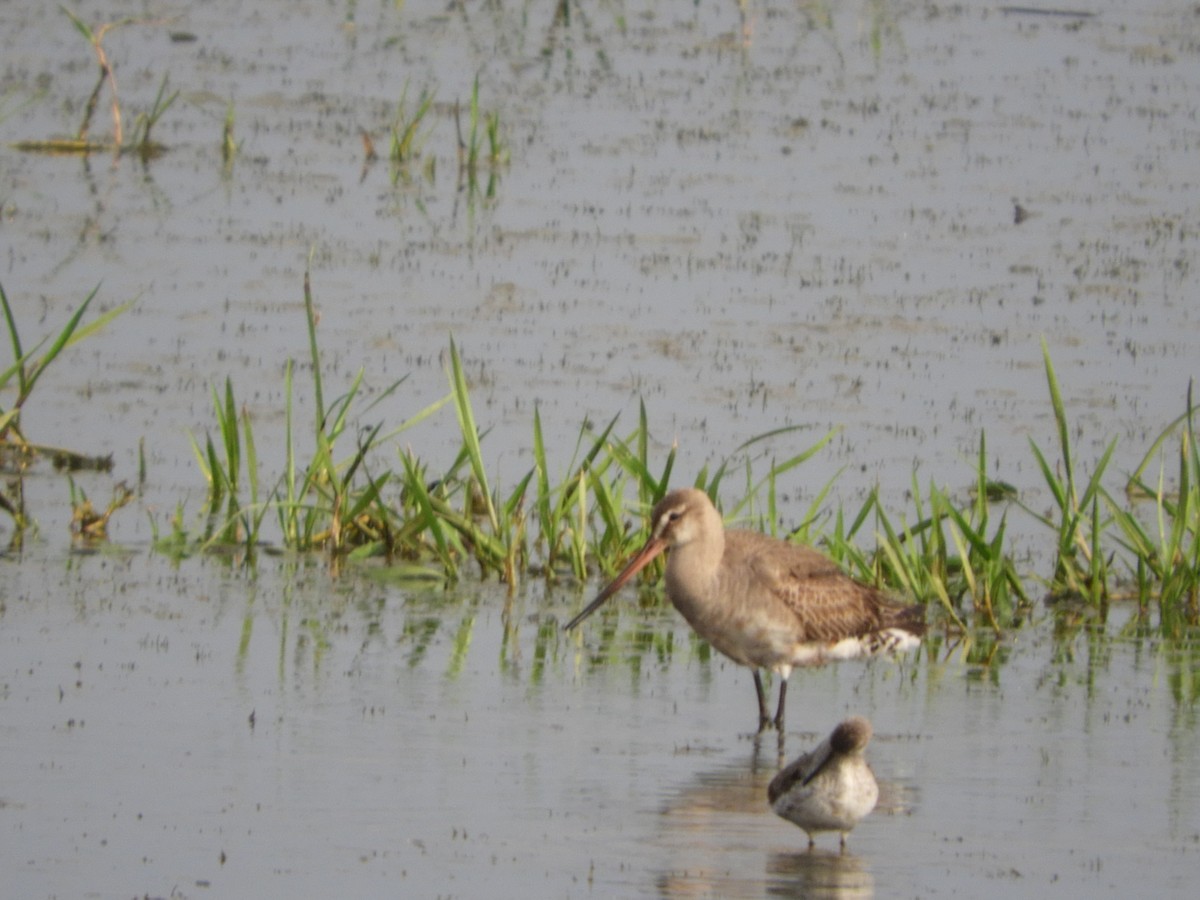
{"points": [[26, 370], [424, 530], [221, 463], [221, 475], [589, 513], [910, 557], [230, 146], [177, 545], [17, 452], [1164, 553], [95, 38], [140, 140], [406, 131], [983, 563], [803, 532], [483, 148], [333, 503], [1080, 566], [562, 512], [489, 536]]}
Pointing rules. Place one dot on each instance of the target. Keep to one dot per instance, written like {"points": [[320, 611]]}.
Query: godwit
{"points": [[763, 602], [830, 789]]}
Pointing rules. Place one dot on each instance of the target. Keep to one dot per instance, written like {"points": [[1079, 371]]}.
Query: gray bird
{"points": [[830, 789]]}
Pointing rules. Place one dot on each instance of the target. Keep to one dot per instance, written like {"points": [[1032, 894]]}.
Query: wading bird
{"points": [[764, 602], [830, 789]]}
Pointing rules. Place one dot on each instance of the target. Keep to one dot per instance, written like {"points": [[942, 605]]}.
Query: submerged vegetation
{"points": [[564, 523], [341, 496], [17, 452], [139, 140], [481, 149], [26, 368]]}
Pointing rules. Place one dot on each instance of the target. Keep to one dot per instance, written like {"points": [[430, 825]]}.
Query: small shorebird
{"points": [[830, 789], [764, 602]]}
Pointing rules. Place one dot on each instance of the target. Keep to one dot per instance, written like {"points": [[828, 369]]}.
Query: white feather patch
{"points": [[890, 640]]}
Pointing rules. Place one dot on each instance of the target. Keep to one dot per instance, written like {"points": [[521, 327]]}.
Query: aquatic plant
{"points": [[472, 158], [562, 511], [332, 503], [86, 522], [944, 552], [230, 146], [1165, 553], [221, 463], [95, 37], [336, 504], [17, 453], [140, 140], [26, 370], [1080, 567], [949, 551], [407, 138]]}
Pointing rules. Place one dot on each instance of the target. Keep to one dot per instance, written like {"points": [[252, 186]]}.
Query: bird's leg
{"points": [[764, 720], [782, 704]]}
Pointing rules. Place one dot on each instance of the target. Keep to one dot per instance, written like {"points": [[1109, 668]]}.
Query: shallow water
{"points": [[188, 731], [795, 214], [803, 218]]}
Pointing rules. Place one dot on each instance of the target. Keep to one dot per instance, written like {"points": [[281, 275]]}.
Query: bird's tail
{"points": [[910, 618]]}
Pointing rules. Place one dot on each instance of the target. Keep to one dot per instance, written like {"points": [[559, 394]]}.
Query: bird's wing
{"points": [[827, 603], [800, 771], [832, 607]]}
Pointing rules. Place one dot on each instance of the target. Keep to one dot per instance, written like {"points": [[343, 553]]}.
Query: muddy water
{"points": [[746, 216], [191, 733], [803, 215]]}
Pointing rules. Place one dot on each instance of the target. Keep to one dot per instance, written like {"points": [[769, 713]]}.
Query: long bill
{"points": [[652, 548]]}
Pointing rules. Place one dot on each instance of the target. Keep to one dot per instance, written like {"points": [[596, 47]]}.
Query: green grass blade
{"points": [[72, 332], [314, 352], [80, 26], [649, 488], [470, 433], [1060, 418], [415, 419], [289, 514], [14, 336], [60, 342], [546, 525], [1057, 488]]}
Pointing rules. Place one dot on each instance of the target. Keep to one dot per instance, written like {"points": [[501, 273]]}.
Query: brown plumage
{"points": [[763, 602]]}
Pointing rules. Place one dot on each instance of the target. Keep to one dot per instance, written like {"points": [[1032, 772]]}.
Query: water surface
{"points": [[862, 215]]}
